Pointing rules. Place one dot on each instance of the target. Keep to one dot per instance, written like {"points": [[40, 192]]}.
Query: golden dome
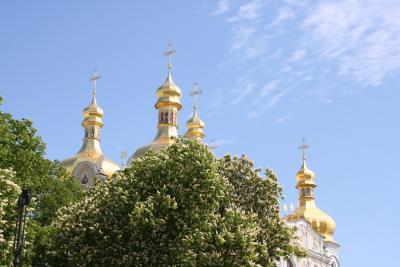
{"points": [[322, 223], [168, 93], [305, 176], [195, 126], [195, 119], [93, 114], [168, 104], [90, 160]]}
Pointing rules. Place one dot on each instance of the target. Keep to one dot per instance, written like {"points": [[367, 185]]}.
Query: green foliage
{"points": [[179, 206], [256, 194], [8, 200], [23, 151]]}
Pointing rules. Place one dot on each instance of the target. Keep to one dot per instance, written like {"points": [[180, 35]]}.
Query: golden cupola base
{"points": [[322, 223], [195, 126], [168, 104], [90, 161]]}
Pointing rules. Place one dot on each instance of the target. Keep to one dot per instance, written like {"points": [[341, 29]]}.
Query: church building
{"points": [[314, 228]]}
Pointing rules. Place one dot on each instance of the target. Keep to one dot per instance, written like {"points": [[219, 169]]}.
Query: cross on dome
{"points": [[94, 78], [196, 91], [304, 147], [169, 53]]}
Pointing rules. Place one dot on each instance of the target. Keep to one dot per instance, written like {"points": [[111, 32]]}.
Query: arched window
{"points": [[290, 263], [334, 262]]}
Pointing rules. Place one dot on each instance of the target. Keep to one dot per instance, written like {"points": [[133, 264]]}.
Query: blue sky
{"points": [[272, 72]]}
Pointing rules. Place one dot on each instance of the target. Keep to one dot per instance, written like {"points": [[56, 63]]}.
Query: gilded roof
{"points": [[308, 210]]}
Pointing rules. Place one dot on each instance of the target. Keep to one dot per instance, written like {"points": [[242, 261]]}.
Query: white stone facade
{"points": [[320, 253]]}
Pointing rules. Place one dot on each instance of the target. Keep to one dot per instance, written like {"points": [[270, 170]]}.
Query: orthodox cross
{"points": [[94, 78], [303, 147], [195, 92], [170, 52]]}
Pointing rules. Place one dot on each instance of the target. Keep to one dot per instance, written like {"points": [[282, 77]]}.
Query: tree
{"points": [[8, 200], [23, 151], [256, 194], [179, 206]]}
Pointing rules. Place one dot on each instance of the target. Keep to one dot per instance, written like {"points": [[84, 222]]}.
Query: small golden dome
{"points": [[195, 119], [93, 114], [195, 127], [305, 176], [168, 93], [93, 107], [90, 160], [322, 223], [305, 173]]}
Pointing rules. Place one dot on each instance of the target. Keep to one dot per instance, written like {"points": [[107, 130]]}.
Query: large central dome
{"points": [[168, 104]]}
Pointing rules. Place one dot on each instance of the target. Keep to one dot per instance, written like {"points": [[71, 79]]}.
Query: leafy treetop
{"points": [[179, 206]]}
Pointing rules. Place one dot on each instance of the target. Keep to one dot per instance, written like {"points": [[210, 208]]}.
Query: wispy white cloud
{"points": [[265, 91], [268, 102], [223, 7], [219, 142], [248, 12], [275, 99], [298, 55], [331, 48], [269, 88], [286, 13], [362, 37], [247, 42], [215, 99], [282, 119], [252, 114], [243, 91], [241, 37]]}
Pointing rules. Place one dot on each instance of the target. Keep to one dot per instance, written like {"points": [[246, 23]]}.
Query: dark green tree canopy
{"points": [[179, 206], [23, 151]]}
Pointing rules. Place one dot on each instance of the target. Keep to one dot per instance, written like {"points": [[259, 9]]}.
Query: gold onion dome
{"points": [[168, 104], [90, 160], [195, 126], [322, 223], [168, 93]]}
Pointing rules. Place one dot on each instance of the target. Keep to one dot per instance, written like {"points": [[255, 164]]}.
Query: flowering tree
{"points": [[179, 206], [23, 151], [9, 192], [259, 195]]}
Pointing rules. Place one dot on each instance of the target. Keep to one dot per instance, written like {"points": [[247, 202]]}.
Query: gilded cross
{"points": [[94, 78], [303, 147], [170, 52], [195, 93]]}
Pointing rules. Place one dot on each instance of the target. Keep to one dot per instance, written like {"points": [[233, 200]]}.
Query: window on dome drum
{"points": [[290, 263], [167, 117], [306, 192]]}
